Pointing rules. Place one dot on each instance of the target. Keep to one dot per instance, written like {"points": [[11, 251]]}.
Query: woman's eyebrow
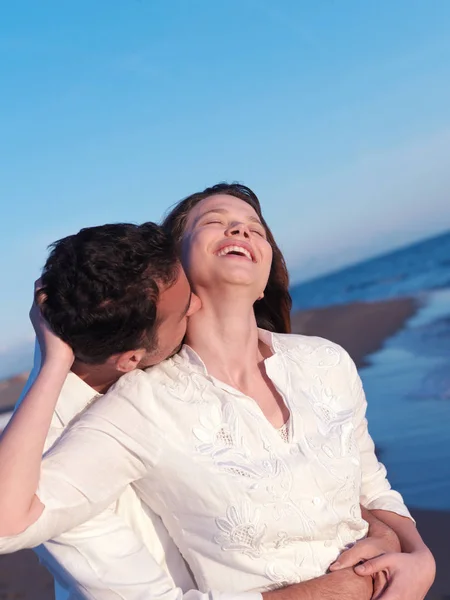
{"points": [[223, 211], [212, 210]]}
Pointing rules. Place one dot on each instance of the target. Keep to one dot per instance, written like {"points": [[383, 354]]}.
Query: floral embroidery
{"points": [[241, 530], [190, 387], [218, 430], [254, 497], [220, 438], [323, 356]]}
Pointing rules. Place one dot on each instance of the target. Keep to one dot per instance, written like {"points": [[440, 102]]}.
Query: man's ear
{"points": [[128, 361]]}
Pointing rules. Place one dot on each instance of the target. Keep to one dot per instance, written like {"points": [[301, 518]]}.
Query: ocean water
{"points": [[407, 382], [407, 385], [421, 267]]}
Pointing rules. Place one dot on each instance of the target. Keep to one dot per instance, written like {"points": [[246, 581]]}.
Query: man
{"points": [[117, 295]]}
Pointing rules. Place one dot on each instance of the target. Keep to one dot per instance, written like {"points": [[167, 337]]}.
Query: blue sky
{"points": [[336, 113]]}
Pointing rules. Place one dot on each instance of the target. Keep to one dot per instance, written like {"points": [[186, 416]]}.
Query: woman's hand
{"points": [[381, 540], [53, 349], [410, 575]]}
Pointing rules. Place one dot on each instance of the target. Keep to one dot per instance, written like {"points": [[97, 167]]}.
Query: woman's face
{"points": [[225, 244]]}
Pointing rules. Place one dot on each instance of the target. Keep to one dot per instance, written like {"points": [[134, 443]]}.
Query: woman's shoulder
{"points": [[324, 363], [311, 348]]}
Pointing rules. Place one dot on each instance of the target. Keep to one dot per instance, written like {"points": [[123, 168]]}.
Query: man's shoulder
{"points": [[138, 383], [75, 396]]}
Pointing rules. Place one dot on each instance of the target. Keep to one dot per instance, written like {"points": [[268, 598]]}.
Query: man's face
{"points": [[176, 303]]}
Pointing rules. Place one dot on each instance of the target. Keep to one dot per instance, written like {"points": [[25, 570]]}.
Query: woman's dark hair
{"points": [[100, 288], [273, 311]]}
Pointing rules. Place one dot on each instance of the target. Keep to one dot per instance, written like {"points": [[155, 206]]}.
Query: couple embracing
{"points": [[176, 440]]}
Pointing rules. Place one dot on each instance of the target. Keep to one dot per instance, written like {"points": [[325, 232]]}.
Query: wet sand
{"points": [[361, 328], [10, 391], [434, 527]]}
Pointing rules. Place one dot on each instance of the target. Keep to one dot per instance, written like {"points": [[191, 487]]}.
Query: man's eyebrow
{"points": [[183, 314]]}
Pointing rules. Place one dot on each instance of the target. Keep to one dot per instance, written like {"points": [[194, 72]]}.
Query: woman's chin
{"points": [[237, 285]]}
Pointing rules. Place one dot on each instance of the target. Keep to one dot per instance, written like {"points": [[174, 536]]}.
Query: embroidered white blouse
{"points": [[248, 510]]}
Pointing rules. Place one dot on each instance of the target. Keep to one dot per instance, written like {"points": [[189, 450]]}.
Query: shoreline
{"points": [[361, 328]]}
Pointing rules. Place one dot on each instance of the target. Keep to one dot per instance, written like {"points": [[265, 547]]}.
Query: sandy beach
{"points": [[361, 328]]}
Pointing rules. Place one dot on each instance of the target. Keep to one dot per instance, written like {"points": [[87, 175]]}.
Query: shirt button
{"points": [[355, 461], [317, 500]]}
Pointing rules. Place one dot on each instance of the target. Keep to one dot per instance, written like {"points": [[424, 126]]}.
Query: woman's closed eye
{"points": [[259, 232]]}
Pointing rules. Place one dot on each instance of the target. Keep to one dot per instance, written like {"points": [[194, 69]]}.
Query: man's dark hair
{"points": [[100, 288]]}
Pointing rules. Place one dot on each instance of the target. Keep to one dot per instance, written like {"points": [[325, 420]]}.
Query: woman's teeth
{"points": [[235, 250]]}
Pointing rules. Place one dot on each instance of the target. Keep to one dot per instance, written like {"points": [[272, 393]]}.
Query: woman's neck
{"points": [[224, 334]]}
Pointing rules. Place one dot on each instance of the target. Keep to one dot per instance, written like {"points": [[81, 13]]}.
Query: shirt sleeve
{"points": [[102, 558], [376, 491], [90, 465]]}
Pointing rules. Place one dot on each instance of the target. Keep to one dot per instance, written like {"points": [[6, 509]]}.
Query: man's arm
{"points": [[340, 585], [104, 560]]}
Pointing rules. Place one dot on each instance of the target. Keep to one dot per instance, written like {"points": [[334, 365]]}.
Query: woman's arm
{"points": [[85, 471], [412, 571], [22, 442], [410, 539]]}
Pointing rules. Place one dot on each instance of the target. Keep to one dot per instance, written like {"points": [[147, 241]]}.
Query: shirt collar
{"points": [[190, 356], [75, 396]]}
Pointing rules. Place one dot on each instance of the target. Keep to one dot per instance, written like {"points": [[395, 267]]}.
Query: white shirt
{"points": [[248, 511], [107, 558]]}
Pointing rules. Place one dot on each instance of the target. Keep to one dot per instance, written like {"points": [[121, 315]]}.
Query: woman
{"points": [[251, 445]]}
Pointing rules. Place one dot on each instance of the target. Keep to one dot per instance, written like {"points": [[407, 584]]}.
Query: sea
{"points": [[407, 382]]}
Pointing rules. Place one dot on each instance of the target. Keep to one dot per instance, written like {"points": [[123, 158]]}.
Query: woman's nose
{"points": [[238, 229]]}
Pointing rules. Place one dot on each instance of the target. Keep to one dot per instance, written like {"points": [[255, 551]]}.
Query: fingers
{"points": [[349, 558], [394, 591], [380, 584], [374, 565]]}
